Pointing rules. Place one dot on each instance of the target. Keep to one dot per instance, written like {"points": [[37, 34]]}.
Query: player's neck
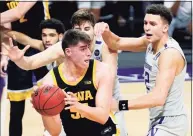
{"points": [[72, 70], [159, 44]]}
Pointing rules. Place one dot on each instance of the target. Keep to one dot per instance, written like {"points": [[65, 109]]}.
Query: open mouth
{"points": [[148, 34], [48, 45], [86, 61]]}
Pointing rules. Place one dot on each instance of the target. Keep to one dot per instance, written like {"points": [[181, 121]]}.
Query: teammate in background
{"points": [[164, 70], [52, 31], [84, 21], [20, 84], [85, 78]]}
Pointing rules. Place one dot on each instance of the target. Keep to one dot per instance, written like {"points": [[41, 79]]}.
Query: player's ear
{"points": [[68, 51], [165, 28], [61, 36]]}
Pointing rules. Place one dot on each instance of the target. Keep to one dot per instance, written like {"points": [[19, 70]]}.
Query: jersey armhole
{"points": [[94, 75], [53, 77]]}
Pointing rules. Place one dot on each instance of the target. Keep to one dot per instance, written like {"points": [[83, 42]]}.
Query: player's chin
{"points": [[85, 64]]}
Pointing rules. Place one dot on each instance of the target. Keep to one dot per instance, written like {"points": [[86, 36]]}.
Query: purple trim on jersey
{"points": [[98, 42], [152, 128]]}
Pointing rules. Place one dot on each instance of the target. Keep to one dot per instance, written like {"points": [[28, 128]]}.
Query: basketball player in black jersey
{"points": [[20, 83], [88, 86]]}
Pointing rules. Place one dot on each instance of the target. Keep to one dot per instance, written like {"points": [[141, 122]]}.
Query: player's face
{"points": [[49, 37], [80, 55], [154, 27], [87, 28]]}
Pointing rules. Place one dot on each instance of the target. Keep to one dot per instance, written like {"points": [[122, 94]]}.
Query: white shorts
{"points": [[169, 126]]}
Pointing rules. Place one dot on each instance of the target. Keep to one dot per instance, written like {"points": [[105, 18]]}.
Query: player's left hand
{"points": [[71, 100]]}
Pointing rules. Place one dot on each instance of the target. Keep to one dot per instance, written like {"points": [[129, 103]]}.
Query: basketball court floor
{"points": [[137, 121]]}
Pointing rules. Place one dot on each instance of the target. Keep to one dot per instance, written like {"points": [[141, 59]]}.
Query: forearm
{"points": [[40, 59], [149, 100], [25, 63], [111, 39], [8, 16], [97, 114], [26, 40], [52, 125], [17, 12]]}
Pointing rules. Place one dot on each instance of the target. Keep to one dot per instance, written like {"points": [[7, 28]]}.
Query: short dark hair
{"points": [[82, 15], [159, 9], [53, 24], [73, 36]]}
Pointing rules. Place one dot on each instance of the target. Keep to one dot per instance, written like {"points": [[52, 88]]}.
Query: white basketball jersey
{"points": [[97, 55], [174, 104]]}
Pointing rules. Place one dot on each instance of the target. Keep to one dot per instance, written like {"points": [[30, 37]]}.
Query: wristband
{"points": [[123, 105]]}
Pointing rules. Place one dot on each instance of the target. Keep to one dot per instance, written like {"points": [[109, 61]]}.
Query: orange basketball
{"points": [[48, 100]]}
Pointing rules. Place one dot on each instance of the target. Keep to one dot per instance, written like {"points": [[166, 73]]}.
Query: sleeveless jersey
{"points": [[174, 104], [97, 55], [73, 123]]}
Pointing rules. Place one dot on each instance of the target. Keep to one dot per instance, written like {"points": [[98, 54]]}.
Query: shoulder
{"points": [[170, 56], [102, 69], [101, 66]]}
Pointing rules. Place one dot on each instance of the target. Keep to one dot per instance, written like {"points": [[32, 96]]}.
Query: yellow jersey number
{"points": [[76, 115], [14, 4]]}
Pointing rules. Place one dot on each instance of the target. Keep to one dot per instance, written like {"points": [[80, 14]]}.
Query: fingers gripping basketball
{"points": [[48, 100]]}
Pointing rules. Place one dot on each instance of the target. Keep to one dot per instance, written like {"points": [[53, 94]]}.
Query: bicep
{"points": [[110, 58], [132, 44], [104, 92], [167, 69]]}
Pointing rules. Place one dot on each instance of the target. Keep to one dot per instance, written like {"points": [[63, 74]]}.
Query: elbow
{"points": [[104, 119], [160, 100], [18, 14]]}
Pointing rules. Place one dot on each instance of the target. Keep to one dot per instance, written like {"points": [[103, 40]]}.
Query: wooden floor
{"points": [[137, 121]]}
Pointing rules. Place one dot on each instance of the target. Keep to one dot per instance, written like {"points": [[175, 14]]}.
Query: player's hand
{"points": [[13, 52], [35, 88], [3, 66], [71, 100], [100, 28]]}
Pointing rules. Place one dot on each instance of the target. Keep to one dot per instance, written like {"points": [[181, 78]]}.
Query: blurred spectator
{"points": [[93, 6], [182, 13]]}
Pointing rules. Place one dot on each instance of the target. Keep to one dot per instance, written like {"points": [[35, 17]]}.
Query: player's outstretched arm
{"points": [[120, 43], [38, 60], [17, 12], [23, 39], [104, 82], [171, 64]]}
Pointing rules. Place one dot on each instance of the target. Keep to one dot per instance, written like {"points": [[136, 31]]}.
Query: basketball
{"points": [[48, 100]]}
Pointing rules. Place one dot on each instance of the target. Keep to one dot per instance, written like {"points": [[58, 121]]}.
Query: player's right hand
{"points": [[3, 66], [13, 52], [100, 28]]}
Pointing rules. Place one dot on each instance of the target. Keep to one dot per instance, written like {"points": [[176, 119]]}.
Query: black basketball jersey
{"points": [[75, 124], [29, 23]]}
